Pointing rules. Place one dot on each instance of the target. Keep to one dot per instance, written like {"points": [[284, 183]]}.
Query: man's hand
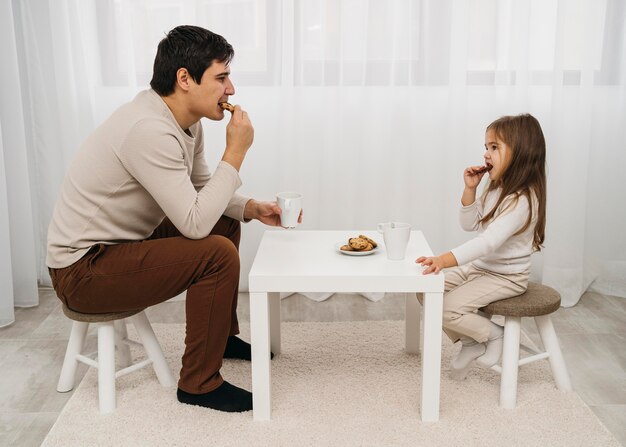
{"points": [[266, 212], [239, 137], [434, 264]]}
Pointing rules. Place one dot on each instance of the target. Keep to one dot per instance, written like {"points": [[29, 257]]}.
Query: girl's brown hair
{"points": [[526, 172]]}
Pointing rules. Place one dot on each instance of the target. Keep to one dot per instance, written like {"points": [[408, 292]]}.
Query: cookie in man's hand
{"points": [[226, 106]]}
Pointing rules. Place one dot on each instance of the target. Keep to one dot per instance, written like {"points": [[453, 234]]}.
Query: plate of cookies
{"points": [[357, 246]]}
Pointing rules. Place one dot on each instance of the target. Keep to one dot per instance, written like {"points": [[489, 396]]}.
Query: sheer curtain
{"points": [[18, 276], [371, 109]]}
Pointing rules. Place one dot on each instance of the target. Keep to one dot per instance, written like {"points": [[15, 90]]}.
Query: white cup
{"points": [[396, 236], [290, 204]]}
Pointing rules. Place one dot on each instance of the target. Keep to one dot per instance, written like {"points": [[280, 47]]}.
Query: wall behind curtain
{"points": [[371, 109]]}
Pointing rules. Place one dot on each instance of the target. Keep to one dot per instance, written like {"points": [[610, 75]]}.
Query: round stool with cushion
{"points": [[112, 334], [538, 301]]}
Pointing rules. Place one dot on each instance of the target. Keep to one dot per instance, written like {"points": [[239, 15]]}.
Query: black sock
{"points": [[226, 397], [236, 348]]}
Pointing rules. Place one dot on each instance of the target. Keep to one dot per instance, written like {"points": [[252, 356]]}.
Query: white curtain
{"points": [[371, 109], [18, 276]]}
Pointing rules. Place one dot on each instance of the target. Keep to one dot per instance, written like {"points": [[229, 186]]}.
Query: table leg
{"points": [[261, 368], [412, 323], [274, 312], [431, 356], [422, 326]]}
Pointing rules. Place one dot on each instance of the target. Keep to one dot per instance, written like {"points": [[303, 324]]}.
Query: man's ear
{"points": [[183, 79]]}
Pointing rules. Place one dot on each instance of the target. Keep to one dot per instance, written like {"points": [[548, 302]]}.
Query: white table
{"points": [[307, 261]]}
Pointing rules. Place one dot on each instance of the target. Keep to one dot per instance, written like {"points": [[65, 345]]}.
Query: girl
{"points": [[510, 220]]}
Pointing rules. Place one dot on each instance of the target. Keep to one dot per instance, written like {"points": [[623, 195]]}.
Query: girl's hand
{"points": [[434, 264], [472, 176]]}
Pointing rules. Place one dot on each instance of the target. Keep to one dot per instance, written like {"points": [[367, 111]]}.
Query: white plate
{"points": [[354, 253]]}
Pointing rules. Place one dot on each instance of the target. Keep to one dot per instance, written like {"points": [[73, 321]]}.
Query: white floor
{"points": [[592, 335]]}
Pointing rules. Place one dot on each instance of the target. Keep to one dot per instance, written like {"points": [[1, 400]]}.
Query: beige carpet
{"points": [[336, 384]]}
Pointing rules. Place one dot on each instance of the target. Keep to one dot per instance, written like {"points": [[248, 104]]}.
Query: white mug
{"points": [[396, 236], [290, 204]]}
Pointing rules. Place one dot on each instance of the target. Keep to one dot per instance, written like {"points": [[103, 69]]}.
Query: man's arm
{"points": [[154, 157], [200, 174], [239, 137]]}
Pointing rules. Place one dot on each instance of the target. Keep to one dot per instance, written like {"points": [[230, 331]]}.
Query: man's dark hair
{"points": [[190, 47]]}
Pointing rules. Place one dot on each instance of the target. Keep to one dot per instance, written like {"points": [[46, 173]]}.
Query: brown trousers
{"points": [[135, 275]]}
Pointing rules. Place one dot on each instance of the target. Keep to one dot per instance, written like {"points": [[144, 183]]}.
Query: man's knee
{"points": [[222, 251]]}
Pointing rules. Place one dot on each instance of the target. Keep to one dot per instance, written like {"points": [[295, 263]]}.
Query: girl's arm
{"points": [[470, 215], [471, 177], [471, 211], [498, 231], [468, 197]]}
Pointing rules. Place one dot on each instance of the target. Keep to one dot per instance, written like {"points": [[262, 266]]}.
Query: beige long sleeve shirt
{"points": [[496, 247], [136, 168]]}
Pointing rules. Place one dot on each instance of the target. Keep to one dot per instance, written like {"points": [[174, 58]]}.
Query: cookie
{"points": [[358, 243], [483, 169], [371, 241], [226, 106], [346, 248]]}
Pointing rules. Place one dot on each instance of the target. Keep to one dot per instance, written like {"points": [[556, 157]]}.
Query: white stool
{"points": [[538, 301], [111, 334]]}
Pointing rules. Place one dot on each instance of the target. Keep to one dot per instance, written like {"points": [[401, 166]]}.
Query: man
{"points": [[140, 219]]}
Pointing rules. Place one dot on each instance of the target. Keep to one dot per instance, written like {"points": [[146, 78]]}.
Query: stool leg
{"points": [[510, 362], [106, 367], [153, 349], [551, 345], [123, 349], [74, 347]]}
